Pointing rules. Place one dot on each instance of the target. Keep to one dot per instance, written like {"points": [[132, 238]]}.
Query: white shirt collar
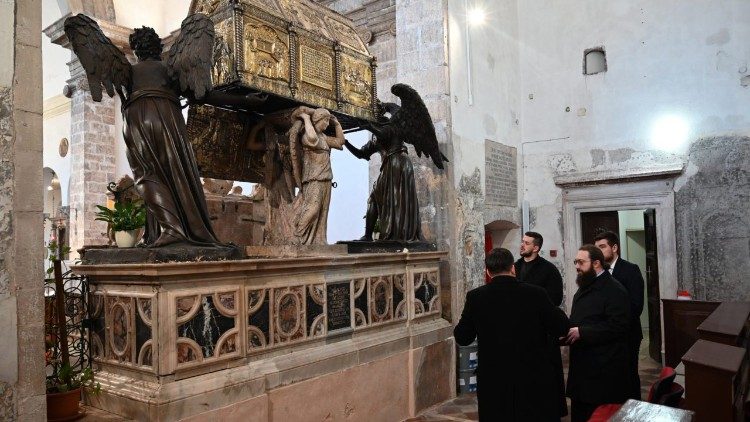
{"points": [[612, 266]]}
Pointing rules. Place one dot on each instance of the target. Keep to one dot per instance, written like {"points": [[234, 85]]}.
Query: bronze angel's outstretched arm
{"points": [[105, 65]]}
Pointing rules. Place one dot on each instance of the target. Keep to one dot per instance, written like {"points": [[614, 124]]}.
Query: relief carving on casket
{"points": [[266, 52], [223, 70], [356, 81]]}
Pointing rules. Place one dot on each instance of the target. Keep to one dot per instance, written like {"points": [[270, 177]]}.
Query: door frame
{"points": [[657, 194]]}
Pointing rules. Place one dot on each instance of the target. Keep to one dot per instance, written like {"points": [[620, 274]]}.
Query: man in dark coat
{"points": [[512, 321], [532, 268], [598, 337], [629, 275]]}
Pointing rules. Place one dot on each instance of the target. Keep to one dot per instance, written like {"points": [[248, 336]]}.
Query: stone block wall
{"points": [[92, 163], [22, 394]]}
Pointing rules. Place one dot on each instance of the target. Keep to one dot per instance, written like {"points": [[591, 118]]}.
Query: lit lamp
{"points": [[474, 17], [54, 185]]}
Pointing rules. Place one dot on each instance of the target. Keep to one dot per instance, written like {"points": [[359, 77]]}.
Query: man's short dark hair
{"points": [[498, 260], [610, 236], [595, 254], [538, 239]]}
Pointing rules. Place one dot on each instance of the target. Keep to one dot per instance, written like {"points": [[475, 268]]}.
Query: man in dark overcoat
{"points": [[512, 321], [532, 268], [629, 275], [598, 337]]}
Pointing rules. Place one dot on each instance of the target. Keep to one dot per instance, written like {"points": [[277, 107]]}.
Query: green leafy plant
{"points": [[51, 254], [125, 217], [68, 379]]}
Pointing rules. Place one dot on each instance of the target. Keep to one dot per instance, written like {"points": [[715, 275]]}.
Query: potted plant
{"points": [[65, 385], [64, 392], [126, 220]]}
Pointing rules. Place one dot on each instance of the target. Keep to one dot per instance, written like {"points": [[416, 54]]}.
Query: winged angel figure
{"points": [[163, 163], [393, 202]]}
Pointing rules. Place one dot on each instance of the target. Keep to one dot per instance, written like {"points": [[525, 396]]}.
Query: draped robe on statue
{"points": [[163, 163], [395, 192]]}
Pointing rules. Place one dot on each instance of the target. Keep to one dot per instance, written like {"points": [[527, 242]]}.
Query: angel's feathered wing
{"points": [[414, 125], [105, 64], [189, 59]]}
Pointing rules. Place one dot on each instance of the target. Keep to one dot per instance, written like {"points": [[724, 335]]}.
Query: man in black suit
{"points": [[532, 268], [598, 337], [511, 321], [629, 275]]}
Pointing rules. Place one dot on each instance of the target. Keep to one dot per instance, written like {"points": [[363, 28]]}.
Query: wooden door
{"points": [[593, 223], [652, 285]]}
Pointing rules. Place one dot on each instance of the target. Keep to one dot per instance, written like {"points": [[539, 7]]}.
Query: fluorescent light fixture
{"points": [[670, 133]]}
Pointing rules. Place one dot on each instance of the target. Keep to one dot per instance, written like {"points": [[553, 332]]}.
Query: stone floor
{"points": [[464, 407]]}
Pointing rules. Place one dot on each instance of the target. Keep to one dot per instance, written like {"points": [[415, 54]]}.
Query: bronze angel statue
{"points": [[162, 161], [393, 203]]}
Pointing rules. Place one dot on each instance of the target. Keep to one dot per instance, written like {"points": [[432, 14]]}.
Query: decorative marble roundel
{"points": [[290, 309], [380, 299], [119, 330], [64, 146]]}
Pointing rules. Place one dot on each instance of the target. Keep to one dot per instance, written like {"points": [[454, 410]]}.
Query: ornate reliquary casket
{"points": [[297, 51]]}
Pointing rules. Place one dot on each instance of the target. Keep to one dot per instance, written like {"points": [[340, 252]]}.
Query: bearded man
{"points": [[598, 337]]}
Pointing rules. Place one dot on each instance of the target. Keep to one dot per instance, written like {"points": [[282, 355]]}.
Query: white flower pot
{"points": [[126, 239]]}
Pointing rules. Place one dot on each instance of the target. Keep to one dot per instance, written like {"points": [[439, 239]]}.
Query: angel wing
{"points": [[413, 123], [189, 59], [105, 64]]}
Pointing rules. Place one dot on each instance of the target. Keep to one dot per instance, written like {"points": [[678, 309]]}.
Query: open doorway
{"points": [[636, 230]]}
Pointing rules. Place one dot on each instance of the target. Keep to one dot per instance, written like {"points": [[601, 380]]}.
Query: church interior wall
{"points": [[666, 88]]}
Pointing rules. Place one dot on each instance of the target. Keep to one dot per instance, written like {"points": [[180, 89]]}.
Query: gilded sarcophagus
{"points": [[297, 51]]}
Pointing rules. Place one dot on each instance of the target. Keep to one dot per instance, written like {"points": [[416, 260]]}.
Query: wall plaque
{"points": [[316, 67], [501, 179], [338, 301]]}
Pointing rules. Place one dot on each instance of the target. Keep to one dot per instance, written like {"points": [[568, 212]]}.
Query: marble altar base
{"points": [[352, 337]]}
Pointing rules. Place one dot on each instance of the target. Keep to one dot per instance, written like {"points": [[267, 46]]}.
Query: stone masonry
{"points": [[409, 40], [22, 393], [92, 163]]}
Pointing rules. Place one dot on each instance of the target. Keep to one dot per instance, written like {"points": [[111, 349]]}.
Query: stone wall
{"points": [[92, 164], [713, 220], [22, 394]]}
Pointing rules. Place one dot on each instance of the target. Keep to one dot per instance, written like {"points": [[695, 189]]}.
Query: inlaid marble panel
{"points": [[401, 310], [206, 326], [288, 314], [361, 299], [98, 328], [426, 293], [119, 328], [315, 318], [381, 299], [143, 332], [258, 306]]}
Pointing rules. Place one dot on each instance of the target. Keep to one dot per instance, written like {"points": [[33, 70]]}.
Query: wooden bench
{"points": [[715, 380]]}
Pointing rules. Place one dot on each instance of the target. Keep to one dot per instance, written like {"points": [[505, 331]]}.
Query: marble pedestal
{"points": [[352, 337]]}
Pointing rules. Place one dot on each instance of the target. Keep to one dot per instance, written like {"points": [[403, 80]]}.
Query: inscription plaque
{"points": [[501, 181], [338, 302], [316, 68]]}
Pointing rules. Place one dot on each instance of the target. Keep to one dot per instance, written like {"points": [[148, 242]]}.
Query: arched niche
{"points": [[503, 234]]}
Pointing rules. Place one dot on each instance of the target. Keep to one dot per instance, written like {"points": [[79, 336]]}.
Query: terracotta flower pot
{"points": [[64, 406]]}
